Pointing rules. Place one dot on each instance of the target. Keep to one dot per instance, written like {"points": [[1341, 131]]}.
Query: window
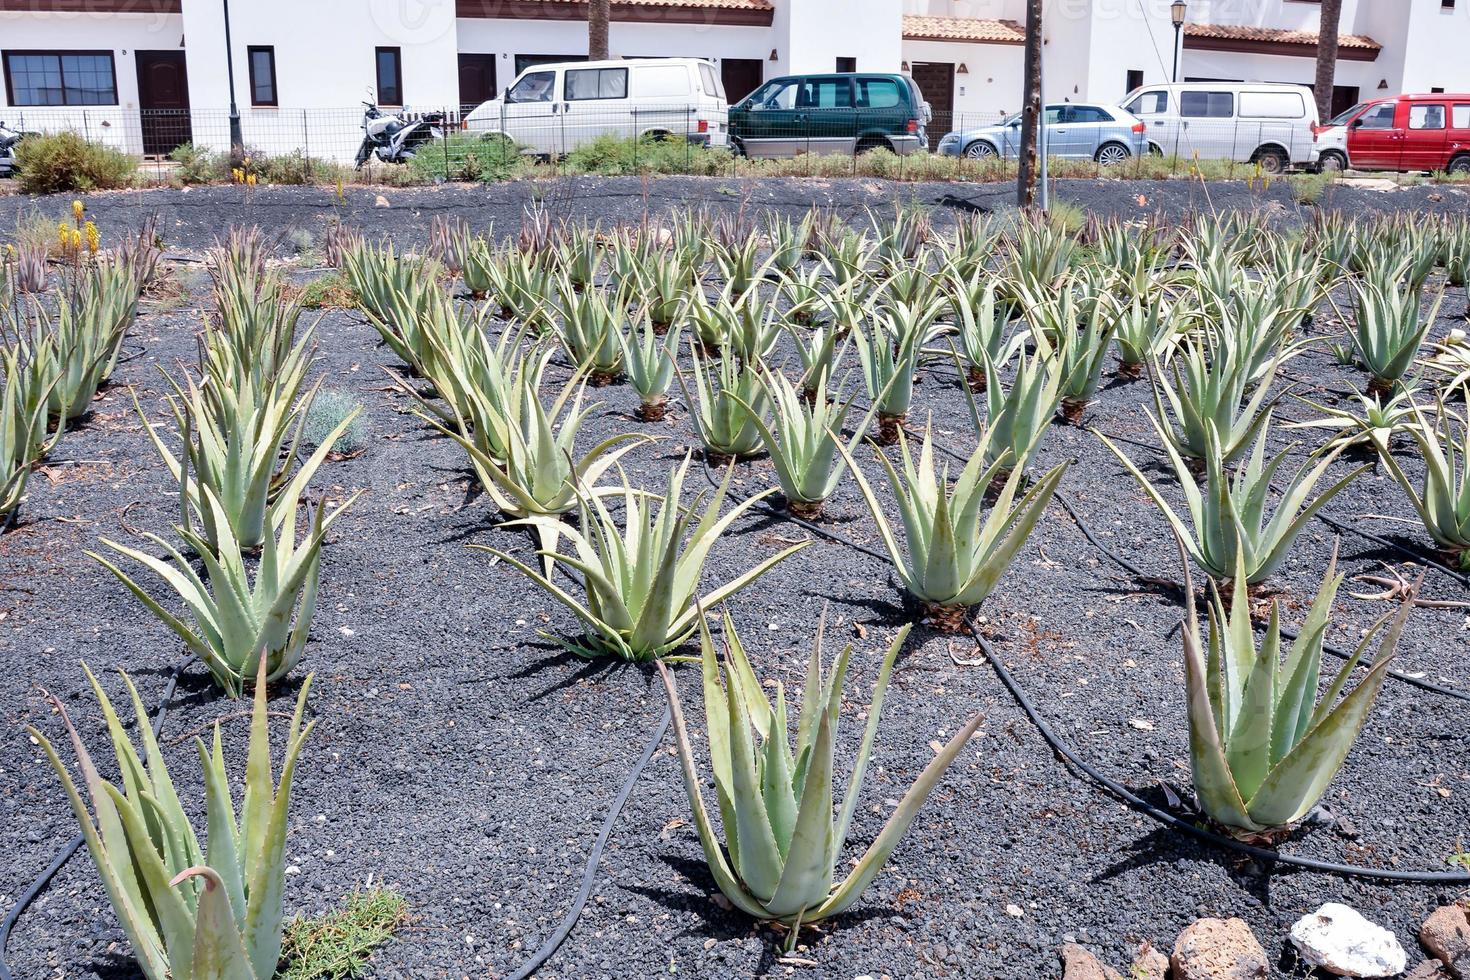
{"points": [[710, 82], [1087, 114], [1378, 117], [1341, 119], [660, 81], [535, 87], [775, 95], [1206, 105], [1135, 79], [1272, 105], [1461, 117], [846, 65], [60, 78], [390, 76], [1150, 104], [826, 93], [1056, 114], [878, 93], [262, 75], [1437, 90], [1427, 116], [596, 83]]}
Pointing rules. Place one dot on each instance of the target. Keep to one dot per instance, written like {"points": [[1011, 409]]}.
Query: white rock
{"points": [[1340, 941]]}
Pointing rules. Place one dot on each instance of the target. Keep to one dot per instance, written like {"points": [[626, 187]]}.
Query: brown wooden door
{"points": [[476, 80], [740, 77], [163, 101], [936, 83]]}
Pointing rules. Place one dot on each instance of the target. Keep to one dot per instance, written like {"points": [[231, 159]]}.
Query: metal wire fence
{"points": [[496, 142]]}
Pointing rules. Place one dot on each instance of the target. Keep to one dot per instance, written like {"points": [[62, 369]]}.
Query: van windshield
{"points": [[1341, 119]]}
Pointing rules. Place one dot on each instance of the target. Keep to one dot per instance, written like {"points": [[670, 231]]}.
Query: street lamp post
{"points": [[1177, 11], [237, 139]]}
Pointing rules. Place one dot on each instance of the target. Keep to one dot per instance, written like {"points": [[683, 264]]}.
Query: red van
{"points": [[1411, 132]]}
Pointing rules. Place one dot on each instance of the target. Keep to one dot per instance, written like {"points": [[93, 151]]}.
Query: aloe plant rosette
{"points": [[190, 913], [782, 844], [1263, 747]]}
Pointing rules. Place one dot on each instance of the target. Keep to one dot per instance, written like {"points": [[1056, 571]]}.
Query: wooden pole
{"points": [[1030, 108]]}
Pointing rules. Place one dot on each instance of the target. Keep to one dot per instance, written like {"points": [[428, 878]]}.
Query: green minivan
{"points": [[846, 112]]}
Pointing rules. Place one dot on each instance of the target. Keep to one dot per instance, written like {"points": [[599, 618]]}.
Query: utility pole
{"points": [[1031, 109], [599, 12], [237, 139]]}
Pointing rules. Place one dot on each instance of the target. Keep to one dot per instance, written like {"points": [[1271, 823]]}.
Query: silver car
{"points": [[1080, 131]]}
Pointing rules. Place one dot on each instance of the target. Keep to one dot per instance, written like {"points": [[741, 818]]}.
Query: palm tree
{"points": [[1327, 56], [598, 14]]}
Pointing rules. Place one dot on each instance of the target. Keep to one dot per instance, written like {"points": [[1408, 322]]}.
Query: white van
{"points": [[553, 109], [1268, 123]]}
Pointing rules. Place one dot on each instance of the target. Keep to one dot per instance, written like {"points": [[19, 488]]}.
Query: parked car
{"points": [[844, 112], [1266, 123], [1406, 132], [553, 109], [1104, 133]]}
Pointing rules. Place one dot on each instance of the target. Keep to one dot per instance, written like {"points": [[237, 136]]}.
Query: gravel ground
{"points": [[465, 760]]}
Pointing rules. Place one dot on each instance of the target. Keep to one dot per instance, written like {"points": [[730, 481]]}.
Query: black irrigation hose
{"points": [[1184, 826], [1290, 634], [594, 857], [70, 847]]}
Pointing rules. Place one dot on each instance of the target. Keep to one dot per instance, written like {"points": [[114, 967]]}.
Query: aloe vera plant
{"points": [[23, 398], [539, 476], [1018, 416], [189, 912], [1080, 356], [1388, 329], [1229, 513], [982, 322], [239, 444], [782, 843], [1148, 329], [1263, 747], [802, 442], [889, 355], [727, 400], [641, 581], [1209, 387], [1441, 497], [650, 363], [954, 559], [1372, 422], [591, 328], [239, 624]]}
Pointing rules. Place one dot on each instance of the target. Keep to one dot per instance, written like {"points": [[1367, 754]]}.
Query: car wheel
{"points": [[1271, 161], [980, 150], [1332, 162], [1111, 154], [1459, 165], [870, 143]]}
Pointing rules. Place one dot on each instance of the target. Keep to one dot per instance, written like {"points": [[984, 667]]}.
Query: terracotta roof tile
{"points": [[970, 29], [1273, 35]]}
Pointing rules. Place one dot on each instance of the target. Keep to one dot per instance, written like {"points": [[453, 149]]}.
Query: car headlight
{"points": [[949, 138]]}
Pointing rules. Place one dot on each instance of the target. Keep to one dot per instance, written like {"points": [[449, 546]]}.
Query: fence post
{"points": [[688, 150], [305, 150], [635, 139], [444, 139], [504, 139]]}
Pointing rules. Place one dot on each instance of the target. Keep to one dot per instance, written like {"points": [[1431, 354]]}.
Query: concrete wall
{"points": [[991, 85], [122, 34], [815, 33], [324, 64]]}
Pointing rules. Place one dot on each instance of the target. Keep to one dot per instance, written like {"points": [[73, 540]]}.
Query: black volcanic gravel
{"points": [[467, 761]]}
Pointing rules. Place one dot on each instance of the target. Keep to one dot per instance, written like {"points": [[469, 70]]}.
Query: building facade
{"points": [[146, 75]]}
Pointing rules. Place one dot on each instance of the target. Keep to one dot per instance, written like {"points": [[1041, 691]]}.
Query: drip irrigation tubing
{"points": [[64, 854], [1167, 819], [594, 858]]}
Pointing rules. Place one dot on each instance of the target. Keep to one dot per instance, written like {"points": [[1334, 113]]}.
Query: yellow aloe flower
{"points": [[94, 237], [77, 209]]}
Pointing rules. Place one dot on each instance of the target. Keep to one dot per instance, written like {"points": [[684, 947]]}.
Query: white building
{"points": [[148, 74]]}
